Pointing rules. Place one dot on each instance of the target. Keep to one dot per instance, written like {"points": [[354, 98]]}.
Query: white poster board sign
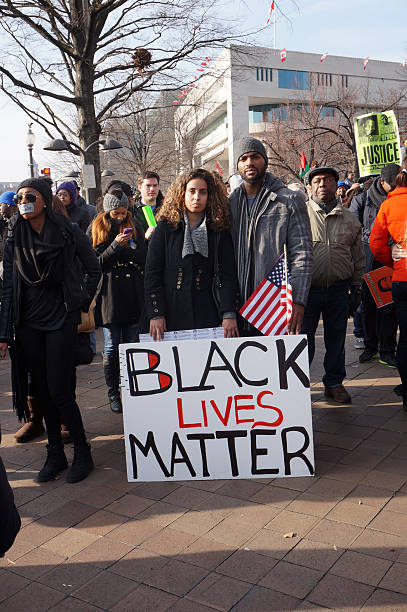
{"points": [[222, 408], [88, 174]]}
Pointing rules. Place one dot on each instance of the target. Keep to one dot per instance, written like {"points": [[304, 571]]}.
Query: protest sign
{"points": [[379, 282], [377, 141], [220, 408]]}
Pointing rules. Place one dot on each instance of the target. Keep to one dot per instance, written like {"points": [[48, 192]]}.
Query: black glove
{"points": [[355, 298]]}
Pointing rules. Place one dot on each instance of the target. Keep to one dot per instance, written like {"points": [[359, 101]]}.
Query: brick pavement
{"points": [[105, 544]]}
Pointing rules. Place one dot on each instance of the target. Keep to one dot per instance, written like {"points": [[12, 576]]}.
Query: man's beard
{"points": [[254, 179]]}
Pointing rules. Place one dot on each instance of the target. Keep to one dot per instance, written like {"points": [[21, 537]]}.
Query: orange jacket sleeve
{"points": [[379, 239]]}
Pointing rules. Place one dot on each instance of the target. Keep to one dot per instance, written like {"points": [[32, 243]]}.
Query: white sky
{"points": [[356, 28]]}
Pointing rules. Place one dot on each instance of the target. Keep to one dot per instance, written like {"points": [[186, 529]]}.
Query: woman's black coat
{"points": [[81, 275], [180, 289], [121, 295]]}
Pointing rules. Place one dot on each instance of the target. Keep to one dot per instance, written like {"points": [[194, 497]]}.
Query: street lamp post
{"points": [[30, 141], [59, 144]]}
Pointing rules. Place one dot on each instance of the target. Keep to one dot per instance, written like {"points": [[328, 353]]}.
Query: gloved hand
{"points": [[355, 297]]}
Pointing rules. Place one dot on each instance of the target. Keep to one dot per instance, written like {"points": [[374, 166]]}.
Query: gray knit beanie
{"points": [[110, 201], [248, 144]]}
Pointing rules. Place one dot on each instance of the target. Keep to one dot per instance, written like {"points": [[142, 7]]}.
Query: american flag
{"points": [[323, 57], [270, 306]]}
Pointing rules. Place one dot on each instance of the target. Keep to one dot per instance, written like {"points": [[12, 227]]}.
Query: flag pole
{"points": [[275, 29], [286, 280]]}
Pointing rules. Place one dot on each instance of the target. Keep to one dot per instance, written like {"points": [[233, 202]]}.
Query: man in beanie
{"points": [[379, 324], [338, 267], [67, 194], [266, 216]]}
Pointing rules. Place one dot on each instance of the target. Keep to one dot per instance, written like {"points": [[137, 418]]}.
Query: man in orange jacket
{"points": [[391, 224]]}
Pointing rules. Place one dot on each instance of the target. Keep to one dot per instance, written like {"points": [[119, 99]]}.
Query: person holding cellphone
{"points": [[121, 250]]}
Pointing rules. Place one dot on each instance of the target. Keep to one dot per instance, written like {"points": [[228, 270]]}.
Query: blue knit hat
{"points": [[7, 198], [343, 184], [70, 188]]}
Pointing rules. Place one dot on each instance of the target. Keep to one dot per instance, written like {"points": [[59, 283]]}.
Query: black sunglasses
{"points": [[29, 197]]}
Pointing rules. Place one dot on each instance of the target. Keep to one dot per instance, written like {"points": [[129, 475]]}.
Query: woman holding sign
{"points": [[119, 306], [391, 223], [191, 280]]}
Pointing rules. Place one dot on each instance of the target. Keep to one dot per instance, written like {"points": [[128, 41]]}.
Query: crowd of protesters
{"points": [[194, 268]]}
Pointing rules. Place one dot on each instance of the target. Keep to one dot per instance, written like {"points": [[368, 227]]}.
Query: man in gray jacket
{"points": [[265, 217]]}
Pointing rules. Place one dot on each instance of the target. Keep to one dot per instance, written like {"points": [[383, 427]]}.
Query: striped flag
{"points": [[271, 10], [323, 57], [365, 63], [270, 306], [283, 55]]}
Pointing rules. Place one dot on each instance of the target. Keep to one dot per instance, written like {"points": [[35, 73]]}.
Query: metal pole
{"points": [[275, 30], [31, 164]]}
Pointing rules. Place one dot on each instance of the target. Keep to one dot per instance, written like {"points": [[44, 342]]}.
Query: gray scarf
{"points": [[195, 238]]}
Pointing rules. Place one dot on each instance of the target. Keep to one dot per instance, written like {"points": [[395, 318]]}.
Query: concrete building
{"points": [[247, 89]]}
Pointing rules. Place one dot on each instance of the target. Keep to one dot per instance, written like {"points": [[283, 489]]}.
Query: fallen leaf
{"points": [[360, 503], [335, 548], [291, 534]]}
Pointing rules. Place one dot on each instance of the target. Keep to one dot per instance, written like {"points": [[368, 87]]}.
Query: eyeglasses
{"points": [[29, 197]]}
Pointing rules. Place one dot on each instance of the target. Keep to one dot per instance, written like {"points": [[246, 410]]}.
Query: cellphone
{"points": [[127, 230]]}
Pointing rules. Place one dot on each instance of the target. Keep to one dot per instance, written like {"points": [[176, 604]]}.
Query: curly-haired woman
{"points": [[119, 305], [190, 246]]}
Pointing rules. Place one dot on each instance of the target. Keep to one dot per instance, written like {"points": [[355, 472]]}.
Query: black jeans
{"points": [[399, 290], [379, 324], [50, 358], [333, 303]]}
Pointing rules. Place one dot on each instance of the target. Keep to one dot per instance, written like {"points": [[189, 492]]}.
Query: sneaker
{"points": [[338, 394], [388, 359], [368, 355], [359, 343]]}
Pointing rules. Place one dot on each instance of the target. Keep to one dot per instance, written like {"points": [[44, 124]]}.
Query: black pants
{"points": [[399, 290], [333, 303], [50, 358], [379, 324]]}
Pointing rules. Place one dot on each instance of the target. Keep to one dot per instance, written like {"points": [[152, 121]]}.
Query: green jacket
{"points": [[337, 242]]}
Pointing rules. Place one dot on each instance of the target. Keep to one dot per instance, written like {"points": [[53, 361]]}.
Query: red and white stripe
{"points": [[283, 55], [269, 308], [323, 57]]}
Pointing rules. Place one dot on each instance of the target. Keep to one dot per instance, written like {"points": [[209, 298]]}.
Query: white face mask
{"points": [[25, 208]]}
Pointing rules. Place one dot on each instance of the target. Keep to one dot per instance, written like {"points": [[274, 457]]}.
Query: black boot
{"points": [[54, 463], [82, 463], [111, 369]]}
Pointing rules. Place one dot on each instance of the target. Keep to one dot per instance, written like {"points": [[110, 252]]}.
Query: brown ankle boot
{"points": [[34, 427], [66, 435]]}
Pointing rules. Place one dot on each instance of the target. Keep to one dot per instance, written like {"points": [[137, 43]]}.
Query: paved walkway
{"points": [[105, 544]]}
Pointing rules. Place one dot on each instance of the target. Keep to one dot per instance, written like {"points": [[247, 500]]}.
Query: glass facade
{"points": [[293, 79], [265, 113]]}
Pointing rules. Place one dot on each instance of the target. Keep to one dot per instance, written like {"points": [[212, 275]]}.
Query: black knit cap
{"points": [[248, 144], [389, 173], [39, 185]]}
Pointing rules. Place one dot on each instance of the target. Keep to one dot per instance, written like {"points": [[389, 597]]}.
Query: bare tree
{"points": [[90, 56]]}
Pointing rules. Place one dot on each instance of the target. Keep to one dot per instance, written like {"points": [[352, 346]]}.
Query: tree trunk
{"points": [[89, 128]]}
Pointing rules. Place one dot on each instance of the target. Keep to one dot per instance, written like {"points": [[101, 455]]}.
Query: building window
{"points": [[293, 79], [344, 80], [267, 113], [264, 74]]}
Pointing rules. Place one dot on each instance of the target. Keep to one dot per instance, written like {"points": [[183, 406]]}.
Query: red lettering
{"points": [[239, 398], [275, 423], [204, 414], [181, 422], [224, 420]]}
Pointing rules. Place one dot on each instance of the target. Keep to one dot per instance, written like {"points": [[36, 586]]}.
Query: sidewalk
{"points": [[336, 541]]}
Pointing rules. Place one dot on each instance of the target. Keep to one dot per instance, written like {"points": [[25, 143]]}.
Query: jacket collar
{"points": [[337, 210]]}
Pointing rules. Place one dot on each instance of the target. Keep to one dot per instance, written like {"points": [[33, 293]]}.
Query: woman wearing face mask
{"points": [[119, 305], [190, 243], [66, 192], [43, 293]]}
